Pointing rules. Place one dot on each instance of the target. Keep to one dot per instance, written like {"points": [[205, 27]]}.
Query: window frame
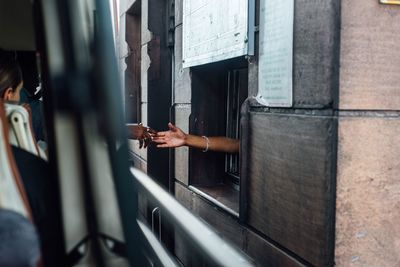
{"points": [[225, 191]]}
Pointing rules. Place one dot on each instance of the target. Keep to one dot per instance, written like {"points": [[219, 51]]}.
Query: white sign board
{"points": [[275, 67], [214, 30]]}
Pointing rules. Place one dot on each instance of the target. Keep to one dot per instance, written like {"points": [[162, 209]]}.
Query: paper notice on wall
{"points": [[275, 84], [214, 30]]}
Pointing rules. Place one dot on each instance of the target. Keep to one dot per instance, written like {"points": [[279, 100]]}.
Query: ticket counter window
{"points": [[218, 91]]}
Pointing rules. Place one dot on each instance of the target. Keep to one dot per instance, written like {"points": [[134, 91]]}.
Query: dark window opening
{"points": [[218, 91], [237, 93], [133, 62]]}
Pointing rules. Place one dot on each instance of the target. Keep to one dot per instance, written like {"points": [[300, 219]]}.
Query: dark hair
{"points": [[10, 72]]}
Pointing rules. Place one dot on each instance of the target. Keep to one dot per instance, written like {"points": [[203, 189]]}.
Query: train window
{"points": [[133, 62], [218, 90]]}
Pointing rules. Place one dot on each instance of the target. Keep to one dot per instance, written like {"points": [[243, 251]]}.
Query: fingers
{"points": [[148, 138], [163, 146], [147, 142], [140, 143], [149, 135], [150, 130], [172, 127], [159, 140], [160, 134]]}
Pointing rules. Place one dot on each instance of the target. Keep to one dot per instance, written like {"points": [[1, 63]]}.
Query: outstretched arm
{"points": [[175, 137], [141, 133]]}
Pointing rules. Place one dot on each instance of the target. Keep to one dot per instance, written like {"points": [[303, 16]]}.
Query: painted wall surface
{"points": [[214, 30], [368, 175]]}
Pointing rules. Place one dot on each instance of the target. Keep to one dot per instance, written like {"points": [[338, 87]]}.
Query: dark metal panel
{"points": [[290, 182]]}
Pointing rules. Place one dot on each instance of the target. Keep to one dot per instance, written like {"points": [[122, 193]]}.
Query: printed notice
{"points": [[275, 70], [214, 30]]}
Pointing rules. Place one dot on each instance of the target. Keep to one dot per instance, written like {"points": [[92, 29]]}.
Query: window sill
{"points": [[223, 196]]}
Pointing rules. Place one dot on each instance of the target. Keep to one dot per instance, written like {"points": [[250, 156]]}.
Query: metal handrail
{"points": [[207, 240], [159, 253]]}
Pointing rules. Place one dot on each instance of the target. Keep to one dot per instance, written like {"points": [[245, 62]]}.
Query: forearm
{"points": [[218, 143]]}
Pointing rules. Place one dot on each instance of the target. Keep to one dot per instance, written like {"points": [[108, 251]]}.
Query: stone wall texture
{"points": [[368, 168], [370, 55], [368, 192]]}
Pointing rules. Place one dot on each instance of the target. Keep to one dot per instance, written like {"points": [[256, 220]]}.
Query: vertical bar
{"points": [[111, 111], [243, 159], [251, 27]]}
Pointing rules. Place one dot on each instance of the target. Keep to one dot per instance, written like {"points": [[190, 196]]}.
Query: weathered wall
{"points": [[290, 181], [260, 250], [290, 178], [139, 156], [293, 174], [370, 57], [368, 192], [289, 155], [316, 40], [181, 98], [368, 180]]}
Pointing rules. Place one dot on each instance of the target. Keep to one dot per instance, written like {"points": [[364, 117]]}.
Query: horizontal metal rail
{"points": [[209, 243], [157, 248]]}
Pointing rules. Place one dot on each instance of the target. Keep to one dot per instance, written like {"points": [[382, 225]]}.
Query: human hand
{"points": [[175, 137], [141, 133]]}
